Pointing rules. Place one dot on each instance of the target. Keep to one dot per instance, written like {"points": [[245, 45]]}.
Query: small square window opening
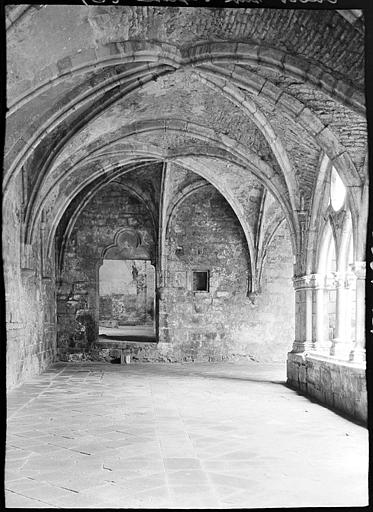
{"points": [[201, 281]]}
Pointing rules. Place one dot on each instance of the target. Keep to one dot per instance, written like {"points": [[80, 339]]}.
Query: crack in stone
{"points": [[30, 498], [70, 449], [67, 489]]}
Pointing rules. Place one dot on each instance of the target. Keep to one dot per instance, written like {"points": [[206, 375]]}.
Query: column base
{"points": [[300, 347]]}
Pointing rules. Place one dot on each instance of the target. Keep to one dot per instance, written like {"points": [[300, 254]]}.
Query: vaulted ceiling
{"points": [[247, 99]]}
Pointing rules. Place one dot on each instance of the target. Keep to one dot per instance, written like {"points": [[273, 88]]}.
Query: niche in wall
{"points": [[126, 293], [200, 281]]}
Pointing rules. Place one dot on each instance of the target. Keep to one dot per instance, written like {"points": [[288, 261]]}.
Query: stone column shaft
{"points": [[303, 314], [341, 344], [322, 344], [358, 352]]}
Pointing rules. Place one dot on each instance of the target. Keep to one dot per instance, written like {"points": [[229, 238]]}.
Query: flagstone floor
{"points": [[212, 435]]}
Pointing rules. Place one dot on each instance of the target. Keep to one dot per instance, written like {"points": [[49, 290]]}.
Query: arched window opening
{"points": [[326, 296], [347, 286], [331, 260], [126, 298], [337, 191]]}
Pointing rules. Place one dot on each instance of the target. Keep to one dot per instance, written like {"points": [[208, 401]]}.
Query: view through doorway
{"points": [[127, 300]]}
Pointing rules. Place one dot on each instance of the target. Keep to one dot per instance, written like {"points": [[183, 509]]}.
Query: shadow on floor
{"points": [[327, 406]]}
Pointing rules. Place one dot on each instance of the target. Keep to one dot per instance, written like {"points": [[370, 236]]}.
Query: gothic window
{"points": [[337, 191]]}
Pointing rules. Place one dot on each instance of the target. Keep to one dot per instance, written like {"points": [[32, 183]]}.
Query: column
{"points": [[303, 314], [321, 342], [341, 344], [357, 354]]}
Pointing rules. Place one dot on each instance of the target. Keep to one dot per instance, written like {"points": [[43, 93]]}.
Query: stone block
{"points": [[291, 104], [271, 92], [310, 122]]}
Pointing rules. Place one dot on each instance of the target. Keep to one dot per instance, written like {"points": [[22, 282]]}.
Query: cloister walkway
{"points": [[218, 435]]}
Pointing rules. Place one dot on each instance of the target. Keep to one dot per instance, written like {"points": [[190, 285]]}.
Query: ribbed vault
{"points": [[234, 95]]}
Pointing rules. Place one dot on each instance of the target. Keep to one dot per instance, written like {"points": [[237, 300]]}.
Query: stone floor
{"points": [[178, 436]]}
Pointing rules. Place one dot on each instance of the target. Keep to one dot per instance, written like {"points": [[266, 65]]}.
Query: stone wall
{"points": [[204, 235], [224, 322], [338, 384], [29, 298], [117, 222]]}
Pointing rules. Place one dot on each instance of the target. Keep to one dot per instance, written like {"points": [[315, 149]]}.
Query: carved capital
{"points": [[308, 281], [359, 269], [302, 282]]}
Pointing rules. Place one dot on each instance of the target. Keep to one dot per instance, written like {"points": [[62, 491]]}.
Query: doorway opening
{"points": [[127, 300]]}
